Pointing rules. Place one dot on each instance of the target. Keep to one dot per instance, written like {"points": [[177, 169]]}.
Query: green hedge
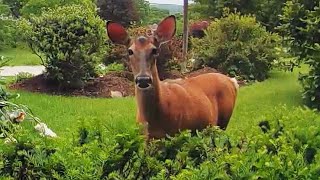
{"points": [[285, 145]]}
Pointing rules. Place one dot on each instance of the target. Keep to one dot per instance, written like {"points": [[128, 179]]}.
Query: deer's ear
{"points": [[117, 33], [166, 29]]}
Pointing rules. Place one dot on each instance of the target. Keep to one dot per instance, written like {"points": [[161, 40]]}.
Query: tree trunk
{"points": [[185, 36]]}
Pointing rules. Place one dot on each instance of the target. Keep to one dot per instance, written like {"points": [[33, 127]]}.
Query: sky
{"points": [[180, 2]]}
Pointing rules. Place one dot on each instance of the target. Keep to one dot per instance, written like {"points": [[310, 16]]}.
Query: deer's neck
{"points": [[148, 100]]}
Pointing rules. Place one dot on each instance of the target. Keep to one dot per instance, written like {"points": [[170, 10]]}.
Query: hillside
{"points": [[173, 8]]}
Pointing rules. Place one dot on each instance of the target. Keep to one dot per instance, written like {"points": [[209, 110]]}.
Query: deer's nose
{"points": [[143, 81]]}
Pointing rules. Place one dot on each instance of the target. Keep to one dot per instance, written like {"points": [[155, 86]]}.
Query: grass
{"points": [[255, 101], [20, 56], [64, 114]]}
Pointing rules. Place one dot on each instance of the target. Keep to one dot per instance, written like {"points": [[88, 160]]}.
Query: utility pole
{"points": [[185, 36]]}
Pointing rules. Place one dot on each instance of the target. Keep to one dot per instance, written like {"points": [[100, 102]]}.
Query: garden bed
{"points": [[100, 86]]}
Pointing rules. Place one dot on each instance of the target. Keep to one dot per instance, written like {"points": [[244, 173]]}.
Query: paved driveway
{"points": [[14, 70]]}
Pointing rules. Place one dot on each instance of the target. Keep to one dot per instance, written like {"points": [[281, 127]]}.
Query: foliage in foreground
{"points": [[70, 41], [238, 45], [300, 22], [285, 145]]}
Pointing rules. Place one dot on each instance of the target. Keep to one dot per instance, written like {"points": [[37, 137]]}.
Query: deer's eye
{"points": [[130, 52], [154, 51]]}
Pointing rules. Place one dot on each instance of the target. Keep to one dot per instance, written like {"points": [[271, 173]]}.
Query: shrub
{"points": [[7, 24], [15, 163], [237, 45], [116, 54], [15, 6], [281, 146], [23, 76], [300, 23], [311, 83], [70, 41], [29, 8]]}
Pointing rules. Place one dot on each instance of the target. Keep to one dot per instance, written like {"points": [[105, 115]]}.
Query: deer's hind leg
{"points": [[225, 106]]}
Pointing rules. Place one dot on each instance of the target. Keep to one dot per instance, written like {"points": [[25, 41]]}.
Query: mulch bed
{"points": [[98, 87]]}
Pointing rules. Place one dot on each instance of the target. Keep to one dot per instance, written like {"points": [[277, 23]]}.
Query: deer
{"points": [[165, 108]]}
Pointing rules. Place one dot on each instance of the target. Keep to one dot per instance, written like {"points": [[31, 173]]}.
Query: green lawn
{"points": [[257, 101], [21, 55], [63, 114], [254, 103]]}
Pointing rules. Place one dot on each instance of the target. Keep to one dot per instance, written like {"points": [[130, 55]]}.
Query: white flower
{"points": [[17, 116], [44, 130], [102, 66]]}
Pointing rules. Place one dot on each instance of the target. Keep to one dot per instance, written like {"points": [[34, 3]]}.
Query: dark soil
{"points": [[98, 87]]}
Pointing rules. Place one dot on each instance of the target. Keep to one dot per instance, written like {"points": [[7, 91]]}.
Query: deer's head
{"points": [[143, 51]]}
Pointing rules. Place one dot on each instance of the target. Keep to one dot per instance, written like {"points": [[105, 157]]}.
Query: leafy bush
{"points": [[300, 23], [7, 24], [286, 61], [11, 114], [15, 6], [36, 7], [23, 76], [311, 83], [70, 41], [237, 45], [115, 54], [285, 145]]}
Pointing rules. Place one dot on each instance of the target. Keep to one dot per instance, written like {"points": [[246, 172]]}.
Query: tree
{"points": [[300, 24], [15, 6], [122, 11], [185, 35], [7, 26], [144, 11], [156, 15], [266, 11]]}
